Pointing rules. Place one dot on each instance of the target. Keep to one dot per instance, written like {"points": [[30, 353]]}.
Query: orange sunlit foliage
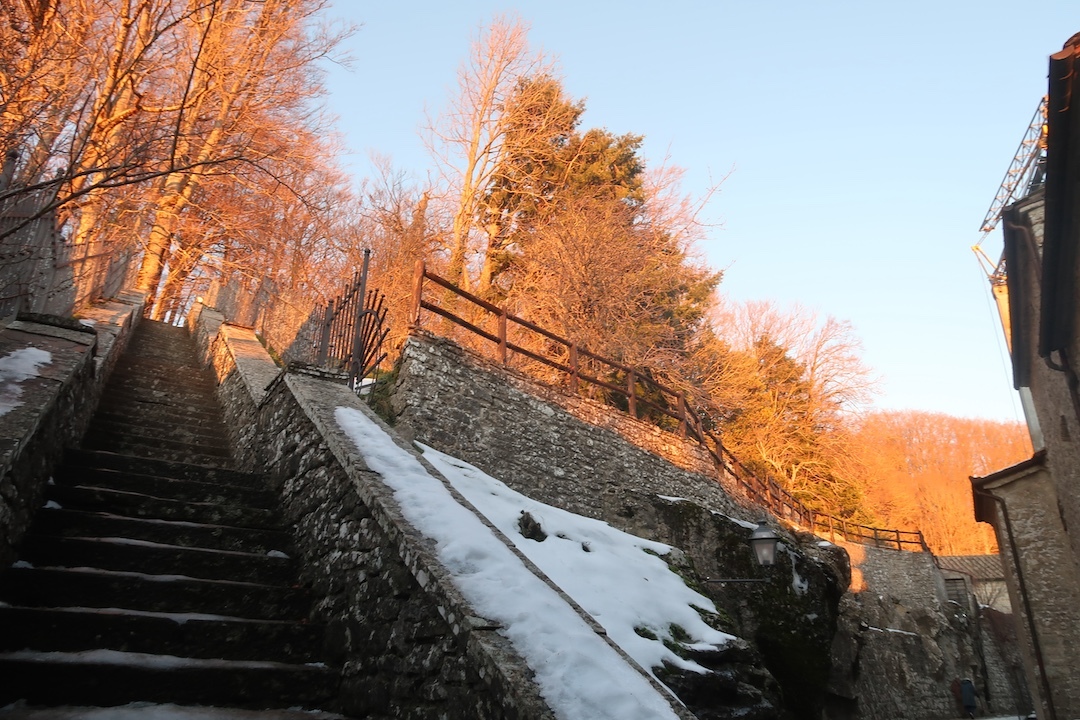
{"points": [[917, 467]]}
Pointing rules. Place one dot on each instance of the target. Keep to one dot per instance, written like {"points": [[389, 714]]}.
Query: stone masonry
{"points": [[561, 449], [590, 459], [586, 457], [409, 644], [45, 413]]}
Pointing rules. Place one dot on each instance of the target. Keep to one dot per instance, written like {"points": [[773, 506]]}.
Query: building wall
{"points": [[1043, 505], [1044, 582]]}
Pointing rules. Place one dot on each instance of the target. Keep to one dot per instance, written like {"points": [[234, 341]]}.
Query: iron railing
{"points": [[640, 394], [351, 330]]}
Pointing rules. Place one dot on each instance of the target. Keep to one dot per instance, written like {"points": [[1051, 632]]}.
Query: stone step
{"points": [[71, 629], [157, 410], [205, 435], [140, 505], [167, 488], [92, 588], [167, 373], [162, 468], [157, 449], [102, 438], [134, 398], [206, 402], [107, 677], [162, 369], [152, 558], [75, 523], [157, 711], [153, 421], [131, 390]]}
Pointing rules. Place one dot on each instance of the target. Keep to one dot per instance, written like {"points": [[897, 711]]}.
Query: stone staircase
{"points": [[157, 572]]}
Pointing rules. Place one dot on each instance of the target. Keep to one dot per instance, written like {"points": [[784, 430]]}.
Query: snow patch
{"points": [[15, 367], [901, 632], [621, 582], [578, 673], [742, 523], [133, 659], [798, 582]]}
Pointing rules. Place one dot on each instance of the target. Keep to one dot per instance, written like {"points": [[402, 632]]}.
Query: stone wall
{"points": [[42, 413], [409, 644], [911, 577], [561, 449], [243, 370], [1043, 585], [591, 459], [893, 621], [896, 622]]}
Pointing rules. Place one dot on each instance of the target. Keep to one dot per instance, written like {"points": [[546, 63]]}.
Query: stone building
{"points": [[978, 576], [1034, 506]]}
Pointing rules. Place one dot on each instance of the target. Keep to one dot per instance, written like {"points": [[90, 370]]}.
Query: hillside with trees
{"points": [[191, 134]]}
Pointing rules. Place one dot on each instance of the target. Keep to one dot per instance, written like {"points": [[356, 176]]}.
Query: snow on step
{"points": [[178, 618], [152, 711], [143, 660]]}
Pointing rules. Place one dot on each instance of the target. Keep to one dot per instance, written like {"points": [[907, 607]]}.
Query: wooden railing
{"points": [[642, 394]]}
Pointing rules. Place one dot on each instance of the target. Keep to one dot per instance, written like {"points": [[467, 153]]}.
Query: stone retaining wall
{"points": [[409, 644], [594, 460], [42, 413], [244, 371], [558, 448], [897, 622]]}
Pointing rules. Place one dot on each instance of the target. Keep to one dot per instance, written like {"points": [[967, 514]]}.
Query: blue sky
{"points": [[865, 142]]}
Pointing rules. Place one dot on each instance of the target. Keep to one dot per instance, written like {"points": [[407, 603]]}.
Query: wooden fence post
{"points": [[573, 367], [682, 415], [418, 293], [630, 397], [502, 336]]}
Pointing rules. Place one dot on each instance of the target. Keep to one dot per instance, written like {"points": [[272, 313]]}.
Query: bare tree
{"points": [[784, 385], [469, 139], [917, 466], [251, 69]]}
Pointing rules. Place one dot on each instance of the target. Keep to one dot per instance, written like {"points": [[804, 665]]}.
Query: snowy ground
{"points": [[619, 579]]}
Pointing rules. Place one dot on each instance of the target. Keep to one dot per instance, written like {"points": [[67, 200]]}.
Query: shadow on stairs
{"points": [[157, 580]]}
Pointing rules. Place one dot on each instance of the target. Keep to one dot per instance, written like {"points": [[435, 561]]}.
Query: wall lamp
{"points": [[763, 543]]}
